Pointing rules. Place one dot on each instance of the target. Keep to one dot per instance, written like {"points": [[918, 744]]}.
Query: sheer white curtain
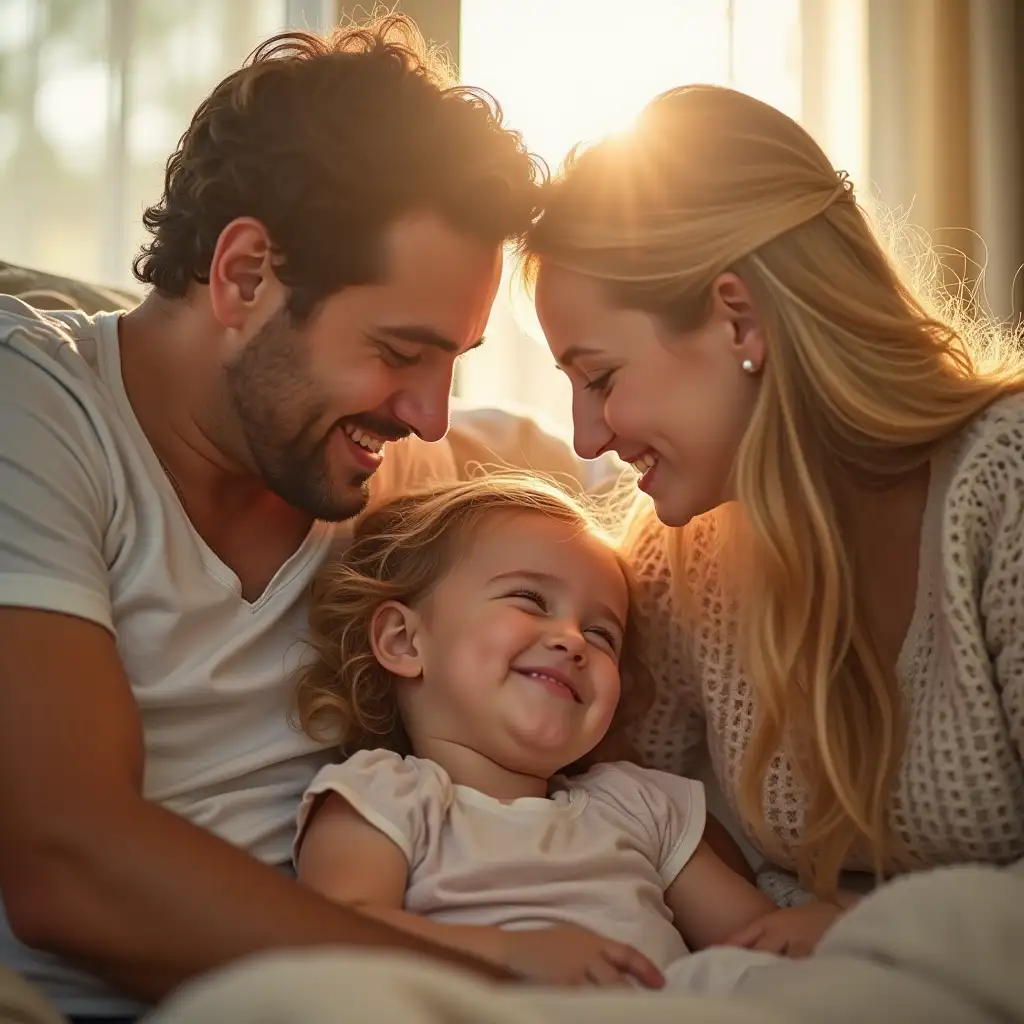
{"points": [[576, 69], [947, 132], [93, 97]]}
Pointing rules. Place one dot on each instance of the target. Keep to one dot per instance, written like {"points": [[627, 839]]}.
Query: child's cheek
{"points": [[507, 634]]}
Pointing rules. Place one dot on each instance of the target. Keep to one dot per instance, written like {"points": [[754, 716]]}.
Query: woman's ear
{"points": [[393, 639], [733, 305]]}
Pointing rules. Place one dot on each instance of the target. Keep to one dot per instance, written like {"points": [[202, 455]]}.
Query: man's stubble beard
{"points": [[273, 398]]}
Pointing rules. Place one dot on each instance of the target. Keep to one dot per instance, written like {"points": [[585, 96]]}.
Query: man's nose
{"points": [[425, 407]]}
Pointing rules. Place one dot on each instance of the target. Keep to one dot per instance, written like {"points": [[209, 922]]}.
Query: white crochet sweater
{"points": [[959, 795]]}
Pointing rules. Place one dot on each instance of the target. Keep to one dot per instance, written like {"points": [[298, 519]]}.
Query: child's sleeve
{"points": [[672, 809], [396, 795]]}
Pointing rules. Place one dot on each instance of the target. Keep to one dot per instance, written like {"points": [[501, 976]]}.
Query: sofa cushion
{"points": [[49, 291]]}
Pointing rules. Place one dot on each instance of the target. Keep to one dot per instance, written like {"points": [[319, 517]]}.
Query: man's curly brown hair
{"points": [[400, 552], [326, 140]]}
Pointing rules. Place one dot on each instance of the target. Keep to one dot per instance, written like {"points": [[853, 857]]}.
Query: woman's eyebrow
{"points": [[574, 352]]}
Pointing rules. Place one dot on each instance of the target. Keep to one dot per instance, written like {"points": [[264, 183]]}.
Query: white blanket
{"points": [[942, 947]]}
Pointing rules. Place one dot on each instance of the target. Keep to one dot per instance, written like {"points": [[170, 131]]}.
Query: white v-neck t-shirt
{"points": [[90, 526]]}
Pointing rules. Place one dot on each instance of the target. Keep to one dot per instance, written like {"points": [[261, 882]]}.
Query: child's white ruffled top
{"points": [[599, 854]]}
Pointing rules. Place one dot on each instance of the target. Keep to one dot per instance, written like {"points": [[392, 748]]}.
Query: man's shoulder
{"points": [[68, 339], [53, 383]]}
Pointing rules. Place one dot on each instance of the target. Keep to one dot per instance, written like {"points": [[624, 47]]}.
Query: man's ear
{"points": [[393, 638], [244, 286]]}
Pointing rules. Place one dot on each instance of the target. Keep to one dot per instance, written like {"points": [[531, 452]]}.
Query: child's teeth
{"points": [[549, 679]]}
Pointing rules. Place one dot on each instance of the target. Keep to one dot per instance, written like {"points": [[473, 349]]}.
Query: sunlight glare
{"points": [[576, 70], [570, 71]]}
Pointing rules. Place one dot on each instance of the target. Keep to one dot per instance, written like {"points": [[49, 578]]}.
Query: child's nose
{"points": [[572, 643]]}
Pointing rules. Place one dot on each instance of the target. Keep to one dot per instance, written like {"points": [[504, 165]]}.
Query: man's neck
{"points": [[170, 363], [171, 366]]}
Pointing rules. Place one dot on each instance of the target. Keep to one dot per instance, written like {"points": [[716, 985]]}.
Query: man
{"points": [[327, 245]]}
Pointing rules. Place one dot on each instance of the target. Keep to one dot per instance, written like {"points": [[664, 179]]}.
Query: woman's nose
{"points": [[590, 433]]}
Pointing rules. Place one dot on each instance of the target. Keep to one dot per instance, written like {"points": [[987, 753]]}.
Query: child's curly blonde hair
{"points": [[400, 552]]}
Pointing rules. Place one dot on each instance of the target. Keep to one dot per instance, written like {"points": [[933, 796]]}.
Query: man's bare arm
{"points": [[91, 871]]}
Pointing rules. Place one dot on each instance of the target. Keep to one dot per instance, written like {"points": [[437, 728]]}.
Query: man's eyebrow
{"points": [[420, 335], [574, 352], [556, 581]]}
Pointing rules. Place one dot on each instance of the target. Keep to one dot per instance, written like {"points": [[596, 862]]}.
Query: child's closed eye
{"points": [[606, 636], [531, 596]]}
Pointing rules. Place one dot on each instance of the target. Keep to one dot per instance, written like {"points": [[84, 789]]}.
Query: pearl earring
{"points": [[748, 366]]}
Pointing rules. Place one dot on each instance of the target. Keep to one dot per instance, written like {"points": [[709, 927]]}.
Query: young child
{"points": [[471, 646]]}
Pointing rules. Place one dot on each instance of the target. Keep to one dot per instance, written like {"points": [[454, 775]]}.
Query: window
{"points": [[94, 94]]}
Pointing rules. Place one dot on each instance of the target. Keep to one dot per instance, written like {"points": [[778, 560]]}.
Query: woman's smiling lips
{"points": [[644, 464]]}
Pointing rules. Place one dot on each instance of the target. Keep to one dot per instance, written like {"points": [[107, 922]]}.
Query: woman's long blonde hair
{"points": [[863, 378]]}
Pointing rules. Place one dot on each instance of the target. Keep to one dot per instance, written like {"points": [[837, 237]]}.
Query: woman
{"points": [[836, 594]]}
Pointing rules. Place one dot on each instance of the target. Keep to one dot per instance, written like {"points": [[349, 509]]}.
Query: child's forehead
{"points": [[533, 542]]}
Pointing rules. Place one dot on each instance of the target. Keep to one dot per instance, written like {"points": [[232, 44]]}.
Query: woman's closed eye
{"points": [[600, 383]]}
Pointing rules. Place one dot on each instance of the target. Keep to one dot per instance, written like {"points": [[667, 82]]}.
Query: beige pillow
{"points": [[48, 291]]}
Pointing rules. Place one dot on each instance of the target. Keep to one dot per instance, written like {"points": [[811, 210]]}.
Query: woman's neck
{"points": [[877, 517], [883, 530]]}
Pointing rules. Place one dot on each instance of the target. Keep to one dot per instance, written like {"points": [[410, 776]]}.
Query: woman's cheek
{"points": [[620, 413]]}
